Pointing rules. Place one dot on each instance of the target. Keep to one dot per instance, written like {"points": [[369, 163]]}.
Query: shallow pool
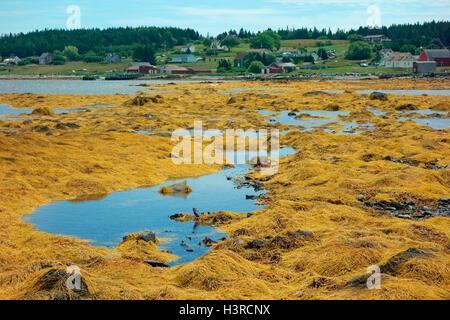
{"points": [[104, 222]]}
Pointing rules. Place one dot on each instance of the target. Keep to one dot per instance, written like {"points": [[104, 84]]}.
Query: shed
{"points": [[424, 66]]}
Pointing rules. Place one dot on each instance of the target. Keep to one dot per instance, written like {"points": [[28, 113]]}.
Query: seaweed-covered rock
{"points": [[378, 96], [44, 111]]}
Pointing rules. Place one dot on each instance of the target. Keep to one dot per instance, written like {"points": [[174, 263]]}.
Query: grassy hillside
{"points": [[338, 65]]}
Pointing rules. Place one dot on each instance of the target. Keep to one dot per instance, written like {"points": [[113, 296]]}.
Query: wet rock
{"points": [[176, 189], [395, 263], [409, 210], [63, 126], [251, 197], [300, 233], [146, 235], [378, 96], [413, 163], [43, 111], [196, 212], [232, 100], [255, 244], [156, 264], [315, 93], [292, 114], [406, 106], [208, 242], [41, 129], [53, 286], [250, 183], [330, 159]]}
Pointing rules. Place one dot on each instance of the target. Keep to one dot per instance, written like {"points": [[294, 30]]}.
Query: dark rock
{"points": [[378, 96], [148, 236], [196, 212], [255, 244], [156, 264], [208, 242], [303, 233], [176, 216], [358, 282], [395, 263], [232, 100]]}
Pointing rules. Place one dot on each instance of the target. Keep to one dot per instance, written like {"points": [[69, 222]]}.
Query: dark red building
{"points": [[441, 56]]}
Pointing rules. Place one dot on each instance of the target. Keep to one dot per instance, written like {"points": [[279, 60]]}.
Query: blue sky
{"points": [[216, 16]]}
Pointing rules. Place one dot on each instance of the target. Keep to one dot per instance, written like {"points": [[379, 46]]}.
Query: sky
{"points": [[215, 16]]}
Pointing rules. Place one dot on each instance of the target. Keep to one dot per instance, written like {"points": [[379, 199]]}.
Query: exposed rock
{"points": [[303, 233], [178, 188], [378, 96], [315, 93], [250, 183], [53, 286], [232, 100], [146, 235], [156, 264], [360, 197], [406, 106], [395, 263], [196, 212], [409, 210], [44, 111]]}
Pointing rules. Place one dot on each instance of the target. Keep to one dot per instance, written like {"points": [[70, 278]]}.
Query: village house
{"points": [[12, 61], [307, 65], [441, 56], [113, 58], [239, 59], [422, 67], [399, 60], [184, 58], [385, 54], [378, 38], [188, 49], [45, 58], [216, 45], [279, 68], [142, 67]]}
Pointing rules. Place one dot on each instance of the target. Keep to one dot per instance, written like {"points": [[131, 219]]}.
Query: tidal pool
{"points": [[284, 118], [6, 111], [104, 222]]}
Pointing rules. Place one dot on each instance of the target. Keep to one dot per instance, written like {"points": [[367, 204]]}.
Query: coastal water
{"points": [[105, 221]]}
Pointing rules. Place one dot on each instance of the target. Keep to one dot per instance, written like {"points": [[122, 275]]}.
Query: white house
{"points": [[216, 45], [399, 60], [188, 49], [385, 54]]}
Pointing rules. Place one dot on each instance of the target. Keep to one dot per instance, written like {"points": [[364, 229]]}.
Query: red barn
{"points": [[441, 56]]}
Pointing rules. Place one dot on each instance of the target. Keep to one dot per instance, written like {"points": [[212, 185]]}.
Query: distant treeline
{"points": [[121, 40], [418, 34], [125, 40]]}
